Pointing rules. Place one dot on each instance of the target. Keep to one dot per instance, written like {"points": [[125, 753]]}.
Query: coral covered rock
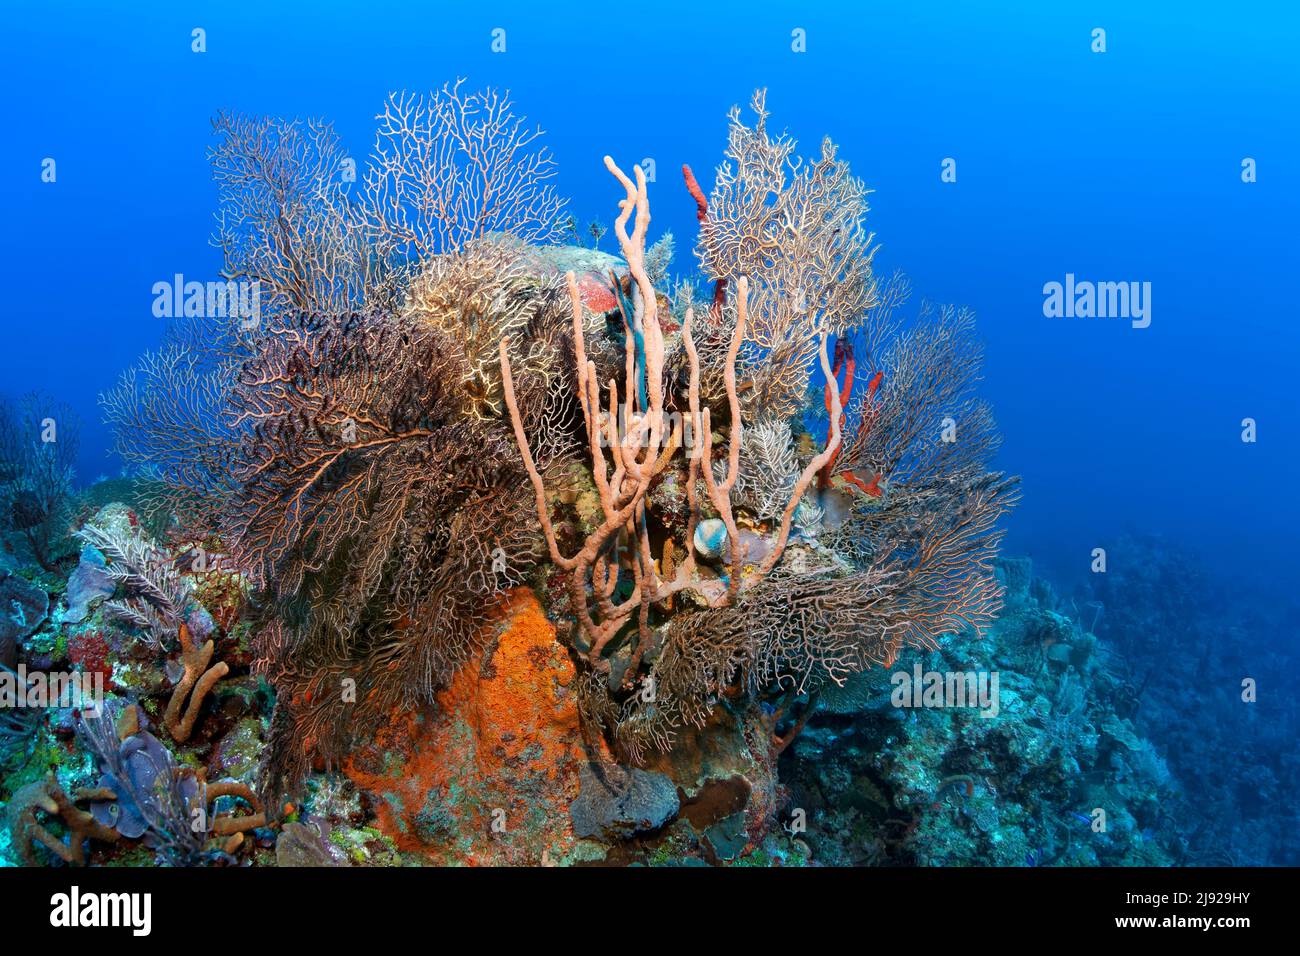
{"points": [[615, 802], [303, 844], [23, 606], [488, 775], [89, 584]]}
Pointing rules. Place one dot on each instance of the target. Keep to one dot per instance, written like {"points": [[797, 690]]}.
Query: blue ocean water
{"points": [[1122, 166]]}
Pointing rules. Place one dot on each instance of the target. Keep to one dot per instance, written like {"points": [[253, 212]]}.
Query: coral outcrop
{"points": [[516, 553]]}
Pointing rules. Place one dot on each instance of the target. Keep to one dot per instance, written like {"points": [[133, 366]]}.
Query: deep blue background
{"points": [[1122, 166]]}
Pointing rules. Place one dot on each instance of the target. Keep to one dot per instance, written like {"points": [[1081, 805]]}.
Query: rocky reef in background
{"points": [[496, 772], [935, 786], [1208, 652]]}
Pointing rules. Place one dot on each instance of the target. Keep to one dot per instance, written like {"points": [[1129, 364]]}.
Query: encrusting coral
{"points": [[505, 736]]}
